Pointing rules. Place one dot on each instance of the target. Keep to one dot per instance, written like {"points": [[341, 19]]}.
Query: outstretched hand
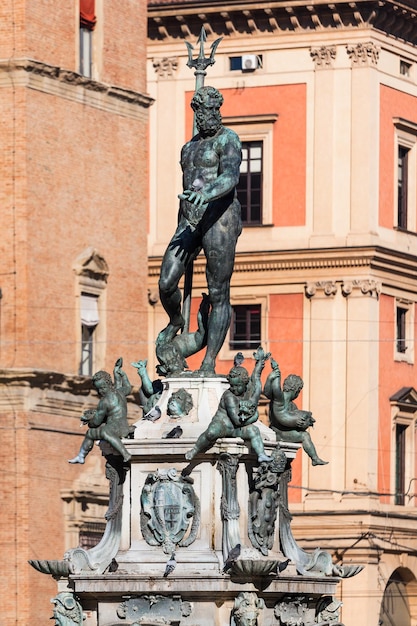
{"points": [[140, 365], [261, 355], [184, 245], [195, 197]]}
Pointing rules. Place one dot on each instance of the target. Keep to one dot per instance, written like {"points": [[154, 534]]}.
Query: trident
{"points": [[200, 64]]}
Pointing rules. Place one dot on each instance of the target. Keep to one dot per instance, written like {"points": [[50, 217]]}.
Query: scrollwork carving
{"points": [[328, 287], [246, 609], [263, 502], [154, 609], [67, 610], [229, 506], [366, 286], [168, 502], [292, 611], [363, 54], [165, 67], [323, 57]]}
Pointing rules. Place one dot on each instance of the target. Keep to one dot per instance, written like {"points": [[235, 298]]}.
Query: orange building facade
{"points": [[324, 99], [73, 190]]}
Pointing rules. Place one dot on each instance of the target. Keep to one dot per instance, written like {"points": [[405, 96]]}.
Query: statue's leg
{"points": [[216, 429], [253, 434], [86, 447], [172, 269], [115, 442], [219, 245], [309, 447]]}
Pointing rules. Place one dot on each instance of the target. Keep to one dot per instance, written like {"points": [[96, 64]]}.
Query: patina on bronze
{"points": [[209, 220]]}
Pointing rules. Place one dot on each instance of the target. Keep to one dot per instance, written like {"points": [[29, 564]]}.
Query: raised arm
{"points": [[272, 388], [255, 384], [147, 385], [121, 381]]}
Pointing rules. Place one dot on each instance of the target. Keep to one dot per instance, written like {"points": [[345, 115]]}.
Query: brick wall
{"points": [[73, 175]]}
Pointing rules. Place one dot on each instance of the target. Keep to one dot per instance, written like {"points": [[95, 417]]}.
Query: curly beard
{"points": [[208, 123]]}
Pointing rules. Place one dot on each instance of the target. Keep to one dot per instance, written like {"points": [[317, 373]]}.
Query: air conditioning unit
{"points": [[249, 62]]}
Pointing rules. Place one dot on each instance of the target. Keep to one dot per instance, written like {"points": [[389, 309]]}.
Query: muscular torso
{"points": [[203, 160], [113, 409]]}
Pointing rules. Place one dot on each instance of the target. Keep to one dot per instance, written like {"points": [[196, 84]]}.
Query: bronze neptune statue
{"points": [[209, 220]]}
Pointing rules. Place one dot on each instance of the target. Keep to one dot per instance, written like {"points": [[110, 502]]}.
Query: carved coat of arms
{"points": [[168, 504]]}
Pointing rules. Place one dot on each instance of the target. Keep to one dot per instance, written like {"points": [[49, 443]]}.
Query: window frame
{"points": [[251, 145], [405, 213], [253, 343], [226, 353], [85, 65], [400, 462], [403, 446], [251, 128], [404, 330], [91, 273]]}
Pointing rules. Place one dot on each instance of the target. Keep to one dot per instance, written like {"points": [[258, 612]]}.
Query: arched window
{"points": [[398, 607]]}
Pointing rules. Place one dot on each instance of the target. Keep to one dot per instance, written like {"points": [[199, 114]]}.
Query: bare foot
{"points": [[318, 461], [77, 459], [207, 369], [264, 457]]}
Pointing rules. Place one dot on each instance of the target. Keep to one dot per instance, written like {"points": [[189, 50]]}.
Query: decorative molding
{"points": [[362, 262], [262, 118], [67, 84], [328, 287], [233, 19], [367, 286], [363, 54], [52, 393], [166, 66], [91, 264], [97, 559], [168, 505], [323, 57], [154, 609], [405, 125]]}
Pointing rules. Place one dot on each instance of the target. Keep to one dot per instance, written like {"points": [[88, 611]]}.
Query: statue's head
{"points": [[102, 381], [293, 384], [67, 611], [206, 105], [238, 378], [170, 358], [247, 408], [246, 609], [180, 403]]}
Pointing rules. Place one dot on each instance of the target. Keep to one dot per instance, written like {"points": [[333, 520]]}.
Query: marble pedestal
{"points": [[200, 510]]}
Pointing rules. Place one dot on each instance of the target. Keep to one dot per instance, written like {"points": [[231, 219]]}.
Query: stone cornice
{"points": [[388, 264], [45, 379], [70, 85], [52, 393], [179, 19]]}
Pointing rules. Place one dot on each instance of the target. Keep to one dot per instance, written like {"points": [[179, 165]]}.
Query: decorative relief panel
{"points": [[363, 54], [328, 287], [323, 57], [154, 609], [165, 67], [366, 286], [168, 503]]}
